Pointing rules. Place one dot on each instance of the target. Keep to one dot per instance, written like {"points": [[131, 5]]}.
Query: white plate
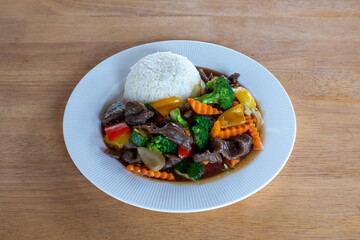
{"points": [[81, 127]]}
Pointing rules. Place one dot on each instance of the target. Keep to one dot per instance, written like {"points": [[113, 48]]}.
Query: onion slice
{"points": [[152, 159]]}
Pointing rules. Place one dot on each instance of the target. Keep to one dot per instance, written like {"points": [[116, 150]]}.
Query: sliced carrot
{"points": [[187, 132], [235, 103], [136, 170], [170, 177], [231, 163], [256, 141], [157, 174], [203, 108], [229, 132], [215, 130], [144, 171], [150, 173], [205, 162], [234, 162], [163, 175], [130, 167]]}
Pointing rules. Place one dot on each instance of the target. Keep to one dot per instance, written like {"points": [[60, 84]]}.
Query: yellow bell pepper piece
{"points": [[164, 106], [118, 142], [232, 117], [244, 96]]}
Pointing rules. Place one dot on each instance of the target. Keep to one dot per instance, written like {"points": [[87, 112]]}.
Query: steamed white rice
{"points": [[161, 75]]}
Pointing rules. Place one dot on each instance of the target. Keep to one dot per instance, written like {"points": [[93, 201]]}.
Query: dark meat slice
{"points": [[166, 120], [236, 147], [211, 76], [188, 114], [245, 140], [114, 112], [136, 113], [113, 153], [208, 156], [203, 75], [130, 145], [174, 131], [131, 156], [234, 80], [171, 161]]}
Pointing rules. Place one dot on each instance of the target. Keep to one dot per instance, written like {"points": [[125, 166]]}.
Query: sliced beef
{"points": [[130, 145], [131, 156], [211, 76], [171, 161], [203, 75], [114, 112], [208, 156], [113, 153], [234, 80], [188, 114], [236, 147], [174, 131], [184, 108], [166, 120], [136, 113]]}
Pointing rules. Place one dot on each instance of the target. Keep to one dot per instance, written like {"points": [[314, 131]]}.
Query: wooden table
{"points": [[312, 47]]}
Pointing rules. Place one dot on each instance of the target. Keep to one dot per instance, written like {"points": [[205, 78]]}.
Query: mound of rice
{"points": [[162, 75]]}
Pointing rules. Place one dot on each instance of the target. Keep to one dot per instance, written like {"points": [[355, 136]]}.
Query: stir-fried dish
{"points": [[176, 140]]}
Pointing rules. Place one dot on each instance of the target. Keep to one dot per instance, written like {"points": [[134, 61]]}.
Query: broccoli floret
{"points": [[195, 171], [184, 165], [190, 169], [221, 94], [176, 116], [162, 144], [137, 139], [201, 131]]}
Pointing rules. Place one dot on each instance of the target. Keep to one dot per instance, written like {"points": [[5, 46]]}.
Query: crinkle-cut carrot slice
{"points": [[137, 168], [203, 108]]}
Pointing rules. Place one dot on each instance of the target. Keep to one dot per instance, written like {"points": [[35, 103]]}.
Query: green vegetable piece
{"points": [[162, 144], [190, 169], [221, 94], [137, 139], [175, 115], [149, 107], [184, 165], [195, 171], [227, 168], [201, 131]]}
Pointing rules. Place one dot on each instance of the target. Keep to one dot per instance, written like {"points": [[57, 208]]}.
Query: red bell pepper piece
{"points": [[115, 130], [184, 152]]}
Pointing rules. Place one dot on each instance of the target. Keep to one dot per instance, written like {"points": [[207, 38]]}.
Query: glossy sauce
{"points": [[208, 71], [212, 172], [217, 171]]}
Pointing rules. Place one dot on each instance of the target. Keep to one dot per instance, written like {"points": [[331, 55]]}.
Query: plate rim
{"points": [[293, 115]]}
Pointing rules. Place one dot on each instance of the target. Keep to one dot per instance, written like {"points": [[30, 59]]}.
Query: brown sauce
{"points": [[244, 162], [212, 172], [208, 71]]}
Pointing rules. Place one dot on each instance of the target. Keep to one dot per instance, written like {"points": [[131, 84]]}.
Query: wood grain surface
{"points": [[312, 47]]}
